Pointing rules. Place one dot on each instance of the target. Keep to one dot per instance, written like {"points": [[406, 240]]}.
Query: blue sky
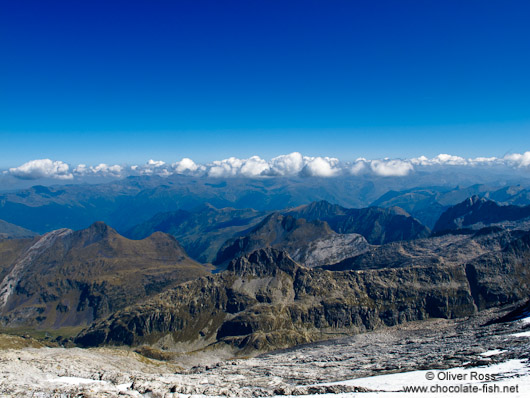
{"points": [[123, 82]]}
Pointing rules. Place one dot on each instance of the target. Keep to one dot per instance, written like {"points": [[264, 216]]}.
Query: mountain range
{"points": [[299, 273], [123, 204]]}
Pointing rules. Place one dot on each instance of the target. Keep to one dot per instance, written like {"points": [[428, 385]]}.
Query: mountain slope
{"points": [[70, 278], [8, 230], [377, 225], [448, 249], [310, 243], [201, 231], [476, 212], [266, 301]]}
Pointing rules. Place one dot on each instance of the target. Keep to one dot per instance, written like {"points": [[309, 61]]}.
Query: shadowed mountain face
{"points": [[377, 225], [201, 231], [428, 203], [70, 278], [8, 230], [265, 300], [476, 212], [310, 243]]}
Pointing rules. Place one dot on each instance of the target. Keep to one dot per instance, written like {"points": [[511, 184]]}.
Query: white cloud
{"points": [[254, 166], [290, 164], [153, 167], [518, 160], [482, 159], [321, 167], [391, 168], [185, 165], [293, 164], [359, 166], [225, 168], [101, 169], [42, 168], [155, 163], [231, 167], [444, 159], [452, 160], [441, 159]]}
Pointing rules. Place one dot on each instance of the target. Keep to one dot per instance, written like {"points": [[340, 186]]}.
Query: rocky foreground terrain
{"points": [[343, 365]]}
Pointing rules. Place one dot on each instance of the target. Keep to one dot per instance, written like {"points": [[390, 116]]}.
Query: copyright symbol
{"points": [[429, 375]]}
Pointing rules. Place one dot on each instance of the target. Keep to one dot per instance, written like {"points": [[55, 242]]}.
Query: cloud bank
{"points": [[42, 168], [293, 165]]}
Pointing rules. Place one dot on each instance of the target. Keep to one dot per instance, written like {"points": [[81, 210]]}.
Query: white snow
{"points": [[492, 353], [76, 380], [513, 373], [522, 334]]}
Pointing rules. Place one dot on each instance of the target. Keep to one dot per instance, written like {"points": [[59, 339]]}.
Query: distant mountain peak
{"points": [[378, 225], [96, 232], [475, 199], [100, 227], [477, 212]]}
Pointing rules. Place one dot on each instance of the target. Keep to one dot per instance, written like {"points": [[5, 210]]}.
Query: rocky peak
{"points": [[476, 212], [96, 232], [263, 262], [321, 210], [279, 231], [473, 200]]}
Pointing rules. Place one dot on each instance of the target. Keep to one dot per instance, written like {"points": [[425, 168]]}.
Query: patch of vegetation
{"points": [[43, 337]]}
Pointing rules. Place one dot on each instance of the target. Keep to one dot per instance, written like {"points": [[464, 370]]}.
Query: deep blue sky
{"points": [[115, 82]]}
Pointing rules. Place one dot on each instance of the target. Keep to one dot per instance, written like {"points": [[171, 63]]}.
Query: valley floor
{"points": [[459, 354]]}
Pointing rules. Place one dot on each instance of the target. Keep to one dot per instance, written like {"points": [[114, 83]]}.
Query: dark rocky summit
{"points": [[476, 212], [265, 300], [378, 225], [311, 243]]}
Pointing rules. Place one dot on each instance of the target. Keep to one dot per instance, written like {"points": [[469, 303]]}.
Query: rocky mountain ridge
{"points": [[133, 200], [201, 231], [265, 300], [311, 243], [476, 212], [377, 225]]}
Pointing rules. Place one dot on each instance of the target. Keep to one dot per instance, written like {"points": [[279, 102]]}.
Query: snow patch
{"points": [[76, 380], [522, 334], [492, 353], [510, 373]]}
